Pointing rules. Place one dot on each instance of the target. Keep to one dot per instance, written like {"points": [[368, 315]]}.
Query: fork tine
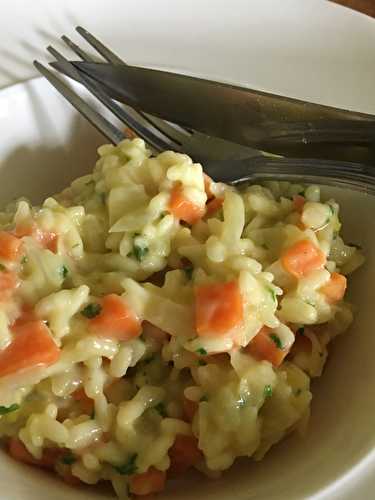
{"points": [[77, 50], [171, 132], [155, 122], [146, 134], [99, 47], [98, 121]]}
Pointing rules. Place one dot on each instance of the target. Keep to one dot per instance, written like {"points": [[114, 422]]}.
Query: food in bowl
{"points": [[153, 320]]}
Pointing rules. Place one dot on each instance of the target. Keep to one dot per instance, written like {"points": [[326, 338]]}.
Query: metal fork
{"points": [[158, 134]]}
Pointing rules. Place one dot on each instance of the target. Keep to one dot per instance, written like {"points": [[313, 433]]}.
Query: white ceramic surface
{"points": [[308, 49]]}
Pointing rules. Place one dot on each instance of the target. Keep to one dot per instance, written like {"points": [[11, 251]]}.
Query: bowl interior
{"points": [[39, 155]]}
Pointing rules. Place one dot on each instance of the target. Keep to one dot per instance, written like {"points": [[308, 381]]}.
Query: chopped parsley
{"points": [[267, 391], [91, 310], [24, 259], [201, 362], [276, 339], [68, 459], [139, 252], [189, 272], [160, 408], [201, 351], [64, 271], [8, 409], [129, 467], [301, 331], [331, 214], [273, 293], [310, 303]]}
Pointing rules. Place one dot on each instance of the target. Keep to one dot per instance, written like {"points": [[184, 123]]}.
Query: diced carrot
{"points": [[86, 403], [50, 241], [25, 229], [32, 346], [184, 453], [8, 283], [218, 308], [189, 408], [27, 315], [182, 208], [152, 481], [115, 319], [214, 205], [298, 203], [334, 290], [9, 246], [19, 452], [302, 257], [207, 186], [262, 347], [47, 239]]}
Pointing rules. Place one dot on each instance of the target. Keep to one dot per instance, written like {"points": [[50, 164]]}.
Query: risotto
{"points": [[152, 320]]}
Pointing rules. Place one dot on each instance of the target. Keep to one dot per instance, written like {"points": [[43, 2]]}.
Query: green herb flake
{"points": [[4, 410], [91, 310], [68, 459], [201, 362], [276, 339], [267, 391], [273, 293], [189, 272], [310, 303], [201, 351], [64, 271], [24, 260], [301, 331], [140, 252], [129, 467], [160, 408]]}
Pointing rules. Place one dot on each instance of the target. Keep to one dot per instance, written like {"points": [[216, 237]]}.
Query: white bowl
{"points": [[44, 145]]}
